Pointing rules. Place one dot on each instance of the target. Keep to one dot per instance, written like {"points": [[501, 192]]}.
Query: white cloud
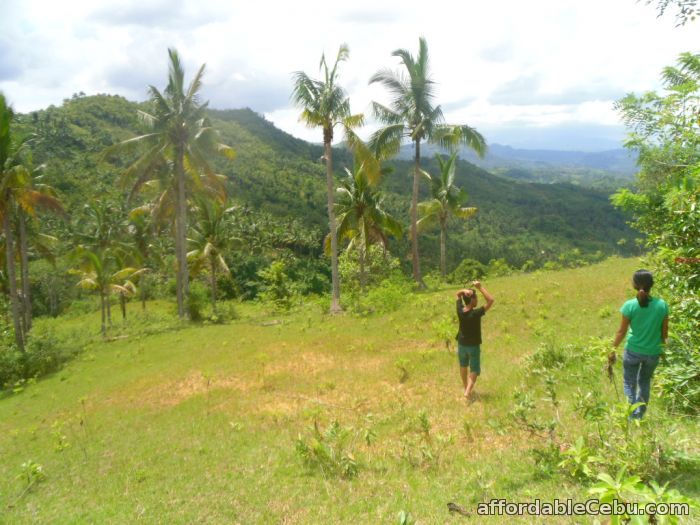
{"points": [[547, 63]]}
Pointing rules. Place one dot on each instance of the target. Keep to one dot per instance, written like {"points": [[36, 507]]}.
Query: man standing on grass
{"points": [[469, 336]]}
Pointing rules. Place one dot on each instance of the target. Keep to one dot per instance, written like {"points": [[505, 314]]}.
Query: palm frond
{"points": [[386, 142], [465, 213]]}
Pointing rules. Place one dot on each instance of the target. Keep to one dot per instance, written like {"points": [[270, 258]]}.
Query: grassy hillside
{"points": [[201, 424]]}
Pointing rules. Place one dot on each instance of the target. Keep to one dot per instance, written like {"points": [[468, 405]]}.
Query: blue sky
{"points": [[540, 74]]}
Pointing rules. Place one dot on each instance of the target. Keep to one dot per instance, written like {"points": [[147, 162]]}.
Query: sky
{"points": [[532, 74]]}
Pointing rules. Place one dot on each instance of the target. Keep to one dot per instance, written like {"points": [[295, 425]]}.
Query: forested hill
{"points": [[284, 176]]}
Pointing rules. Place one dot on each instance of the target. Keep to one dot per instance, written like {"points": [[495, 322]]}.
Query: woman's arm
{"points": [[622, 331], [489, 298]]}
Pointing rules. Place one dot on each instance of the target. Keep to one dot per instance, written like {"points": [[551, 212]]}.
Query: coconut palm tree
{"points": [[32, 195], [325, 104], [177, 148], [143, 235], [99, 270], [413, 115], [210, 237], [361, 217], [446, 202], [9, 162], [20, 196]]}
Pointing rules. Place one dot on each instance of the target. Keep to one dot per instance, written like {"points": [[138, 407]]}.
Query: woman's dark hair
{"points": [[643, 281], [464, 298]]}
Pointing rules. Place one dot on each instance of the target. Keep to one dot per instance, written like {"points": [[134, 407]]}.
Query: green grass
{"points": [[199, 424]]}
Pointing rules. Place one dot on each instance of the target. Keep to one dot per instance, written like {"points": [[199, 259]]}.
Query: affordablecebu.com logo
{"points": [[593, 507]]}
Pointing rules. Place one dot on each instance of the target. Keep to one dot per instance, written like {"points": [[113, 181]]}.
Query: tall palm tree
{"points": [[446, 201], [32, 195], [361, 217], [412, 114], [142, 233], [325, 104], [179, 146], [211, 236], [9, 147]]}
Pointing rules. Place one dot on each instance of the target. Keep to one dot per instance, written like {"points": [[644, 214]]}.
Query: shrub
{"points": [[52, 288], [385, 297], [44, 354], [279, 287], [679, 379], [197, 300], [11, 366], [548, 357], [379, 266], [468, 270], [498, 268]]}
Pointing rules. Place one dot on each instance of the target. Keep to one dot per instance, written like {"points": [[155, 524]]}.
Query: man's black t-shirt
{"points": [[469, 325]]}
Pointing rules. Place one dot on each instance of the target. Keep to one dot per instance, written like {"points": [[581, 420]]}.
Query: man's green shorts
{"points": [[470, 356]]}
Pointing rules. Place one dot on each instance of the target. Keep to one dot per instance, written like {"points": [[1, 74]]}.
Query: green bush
{"points": [[44, 355], [498, 268], [379, 266], [11, 366], [197, 301], [52, 288], [279, 287], [385, 297], [678, 380], [468, 270], [548, 357]]}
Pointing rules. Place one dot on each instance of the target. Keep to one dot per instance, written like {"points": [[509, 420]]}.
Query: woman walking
{"points": [[469, 335], [645, 322]]}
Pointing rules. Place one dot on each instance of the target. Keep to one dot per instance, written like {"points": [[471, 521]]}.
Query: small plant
{"points": [[405, 518], [329, 451], [402, 365], [419, 446], [579, 461], [522, 414], [424, 424], [605, 312], [444, 330], [31, 473], [548, 357], [61, 441], [368, 433]]}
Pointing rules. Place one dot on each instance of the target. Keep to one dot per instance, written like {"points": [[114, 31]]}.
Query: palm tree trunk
{"points": [[143, 293], [363, 276], [414, 219], [213, 285], [122, 303], [109, 310], [24, 269], [443, 242], [103, 327], [11, 278], [181, 236], [335, 282]]}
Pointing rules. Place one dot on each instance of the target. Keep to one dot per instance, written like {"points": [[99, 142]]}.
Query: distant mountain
{"points": [[617, 161], [616, 167]]}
